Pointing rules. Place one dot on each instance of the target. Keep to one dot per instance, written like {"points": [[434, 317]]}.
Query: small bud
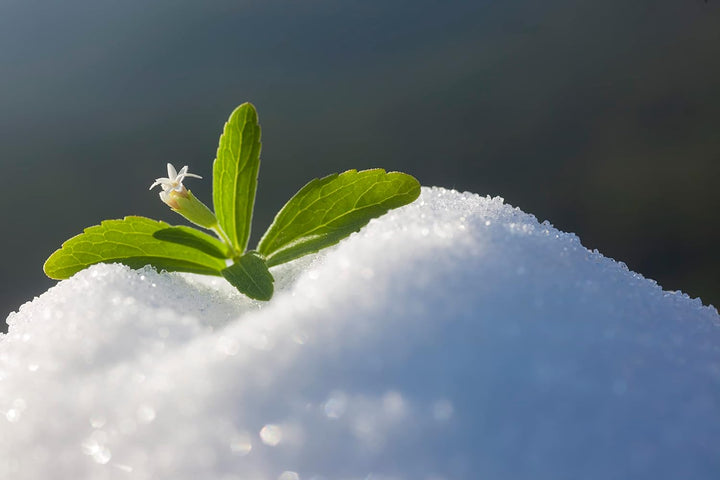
{"points": [[169, 197]]}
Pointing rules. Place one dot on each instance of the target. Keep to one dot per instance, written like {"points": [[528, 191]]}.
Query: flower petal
{"points": [[172, 173], [161, 181]]}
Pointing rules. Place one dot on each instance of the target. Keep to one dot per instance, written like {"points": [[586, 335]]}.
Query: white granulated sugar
{"points": [[456, 338]]}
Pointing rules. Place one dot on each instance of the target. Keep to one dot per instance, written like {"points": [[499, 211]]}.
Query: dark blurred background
{"points": [[602, 117]]}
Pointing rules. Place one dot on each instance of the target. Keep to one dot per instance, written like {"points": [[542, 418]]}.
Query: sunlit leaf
{"points": [[136, 242], [329, 209], [235, 173]]}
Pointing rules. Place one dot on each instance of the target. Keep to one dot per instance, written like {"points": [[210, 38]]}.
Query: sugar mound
{"points": [[455, 338]]}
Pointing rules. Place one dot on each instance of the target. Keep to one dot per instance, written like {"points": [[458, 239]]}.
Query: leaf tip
{"points": [[50, 267]]}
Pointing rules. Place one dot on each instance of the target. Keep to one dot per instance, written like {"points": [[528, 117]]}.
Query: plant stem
{"points": [[223, 236]]}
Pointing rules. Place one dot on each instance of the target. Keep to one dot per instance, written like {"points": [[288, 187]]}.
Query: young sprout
{"points": [[321, 214]]}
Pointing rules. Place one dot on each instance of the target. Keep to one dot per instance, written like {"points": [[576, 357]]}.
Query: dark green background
{"points": [[601, 117]]}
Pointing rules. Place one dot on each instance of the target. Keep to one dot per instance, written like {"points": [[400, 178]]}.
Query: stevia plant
{"points": [[322, 213]]}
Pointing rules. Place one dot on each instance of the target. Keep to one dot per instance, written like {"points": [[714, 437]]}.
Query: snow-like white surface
{"points": [[455, 338]]}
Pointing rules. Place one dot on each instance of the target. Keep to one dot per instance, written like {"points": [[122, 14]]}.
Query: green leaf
{"points": [[251, 276], [235, 173], [191, 237], [136, 242], [329, 209]]}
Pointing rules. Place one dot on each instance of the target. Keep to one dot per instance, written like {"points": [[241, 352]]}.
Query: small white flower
{"points": [[172, 183], [174, 179]]}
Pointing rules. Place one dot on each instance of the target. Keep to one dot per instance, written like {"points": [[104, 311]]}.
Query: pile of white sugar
{"points": [[455, 338]]}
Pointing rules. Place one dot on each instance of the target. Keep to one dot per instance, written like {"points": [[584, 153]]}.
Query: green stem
{"points": [[223, 236]]}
